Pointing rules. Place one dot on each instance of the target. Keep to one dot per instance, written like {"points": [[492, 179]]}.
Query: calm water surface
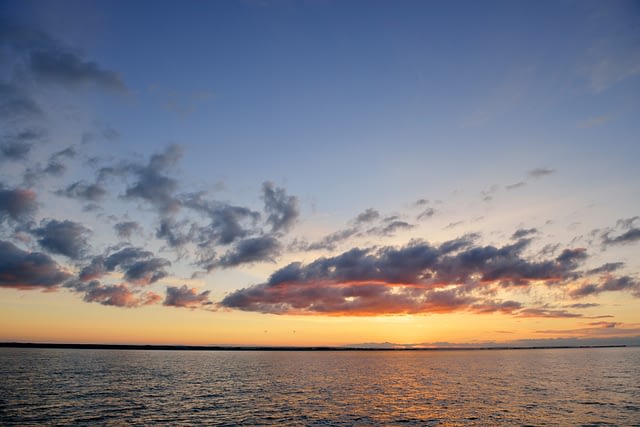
{"points": [[444, 388]]}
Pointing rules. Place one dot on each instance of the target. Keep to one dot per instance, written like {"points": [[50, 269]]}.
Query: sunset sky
{"points": [[320, 172]]}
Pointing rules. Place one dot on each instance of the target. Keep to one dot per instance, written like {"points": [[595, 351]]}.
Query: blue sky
{"points": [[225, 140]]}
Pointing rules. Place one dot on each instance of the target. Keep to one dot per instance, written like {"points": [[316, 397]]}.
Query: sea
{"points": [[523, 387]]}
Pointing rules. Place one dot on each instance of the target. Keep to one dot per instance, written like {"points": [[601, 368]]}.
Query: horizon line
{"points": [[355, 347]]}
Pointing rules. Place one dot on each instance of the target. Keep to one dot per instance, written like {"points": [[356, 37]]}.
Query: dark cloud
{"points": [[152, 184], [17, 204], [523, 232], [84, 191], [28, 270], [282, 210], [186, 297], [405, 280], [367, 216], [64, 237], [126, 229], [251, 250], [540, 172]]}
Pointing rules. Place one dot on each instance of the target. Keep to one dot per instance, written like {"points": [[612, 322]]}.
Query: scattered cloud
{"points": [[66, 238], [28, 270], [186, 297], [282, 210], [540, 172]]}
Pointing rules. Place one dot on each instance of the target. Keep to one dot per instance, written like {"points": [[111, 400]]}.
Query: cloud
{"points": [[629, 236], [282, 210], [621, 283], [523, 232], [66, 68], [126, 229], [145, 272], [116, 295], [427, 213], [606, 268], [84, 191], [17, 204], [66, 238], [16, 103], [416, 278], [390, 228], [516, 185], [139, 267], [367, 216], [152, 184], [227, 223], [186, 297], [250, 250], [17, 146], [28, 270], [540, 172]]}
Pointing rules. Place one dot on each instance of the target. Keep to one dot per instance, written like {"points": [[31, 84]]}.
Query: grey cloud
{"points": [[139, 266], [84, 191], [64, 237], [606, 268], [186, 297], [17, 204], [516, 185], [250, 250], [523, 232], [16, 104], [126, 229], [627, 223], [69, 69], [622, 283], [540, 172], [18, 145], [282, 210], [153, 185], [390, 228], [28, 270], [630, 236], [427, 213], [147, 271], [367, 216]]}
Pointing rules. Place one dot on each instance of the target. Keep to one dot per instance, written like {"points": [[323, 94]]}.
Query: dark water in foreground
{"points": [[498, 387]]}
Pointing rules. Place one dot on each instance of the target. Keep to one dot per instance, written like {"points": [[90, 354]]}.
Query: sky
{"points": [[295, 173]]}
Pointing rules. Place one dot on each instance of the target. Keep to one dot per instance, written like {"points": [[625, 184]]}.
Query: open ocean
{"points": [[590, 386]]}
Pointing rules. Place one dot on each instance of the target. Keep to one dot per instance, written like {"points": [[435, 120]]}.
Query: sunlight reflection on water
{"points": [[497, 387]]}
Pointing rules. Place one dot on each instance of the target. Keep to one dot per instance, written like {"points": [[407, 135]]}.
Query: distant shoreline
{"points": [[277, 348]]}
